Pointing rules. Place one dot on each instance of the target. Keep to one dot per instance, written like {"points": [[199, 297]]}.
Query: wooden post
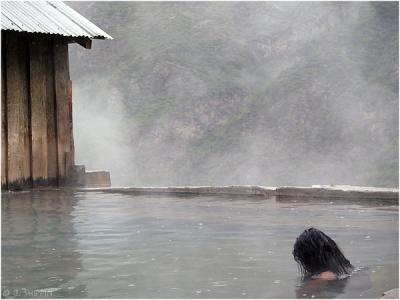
{"points": [[3, 113], [38, 93], [63, 95], [70, 121], [18, 155], [52, 160]]}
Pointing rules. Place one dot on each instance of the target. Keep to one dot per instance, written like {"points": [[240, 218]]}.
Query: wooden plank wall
{"points": [[37, 138]]}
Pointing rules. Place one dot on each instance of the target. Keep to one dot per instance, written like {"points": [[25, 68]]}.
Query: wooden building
{"points": [[37, 144]]}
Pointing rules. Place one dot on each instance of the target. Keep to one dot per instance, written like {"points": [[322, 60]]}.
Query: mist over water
{"points": [[211, 93]]}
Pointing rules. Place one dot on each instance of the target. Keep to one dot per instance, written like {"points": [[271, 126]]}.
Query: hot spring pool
{"points": [[88, 244]]}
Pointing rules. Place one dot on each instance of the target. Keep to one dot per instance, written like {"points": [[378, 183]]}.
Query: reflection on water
{"points": [[39, 244], [109, 245]]}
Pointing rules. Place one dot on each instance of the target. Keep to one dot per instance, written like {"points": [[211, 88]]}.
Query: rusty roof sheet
{"points": [[51, 17]]}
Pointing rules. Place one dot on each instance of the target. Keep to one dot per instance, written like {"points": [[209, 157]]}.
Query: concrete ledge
{"points": [[191, 190], [338, 192], [344, 192], [97, 179], [91, 179]]}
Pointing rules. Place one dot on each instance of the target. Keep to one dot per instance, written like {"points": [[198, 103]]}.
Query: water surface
{"points": [[87, 244]]}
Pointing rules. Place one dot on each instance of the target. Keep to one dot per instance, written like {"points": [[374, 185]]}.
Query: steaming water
{"points": [[76, 244]]}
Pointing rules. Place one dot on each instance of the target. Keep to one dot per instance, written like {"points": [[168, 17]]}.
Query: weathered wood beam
{"points": [[38, 94], [52, 160], [4, 143], [63, 112], [70, 123], [18, 112], [83, 41]]}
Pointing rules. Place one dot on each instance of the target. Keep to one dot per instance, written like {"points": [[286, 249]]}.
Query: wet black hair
{"points": [[315, 252]]}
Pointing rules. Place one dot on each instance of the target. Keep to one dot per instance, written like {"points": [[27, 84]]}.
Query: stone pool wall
{"points": [[319, 191]]}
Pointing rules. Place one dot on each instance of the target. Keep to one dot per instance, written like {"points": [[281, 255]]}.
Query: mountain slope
{"points": [[239, 93]]}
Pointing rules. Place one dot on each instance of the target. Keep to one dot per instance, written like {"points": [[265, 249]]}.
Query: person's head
{"points": [[315, 252]]}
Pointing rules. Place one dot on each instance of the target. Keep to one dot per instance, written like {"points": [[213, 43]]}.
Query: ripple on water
{"points": [[219, 283]]}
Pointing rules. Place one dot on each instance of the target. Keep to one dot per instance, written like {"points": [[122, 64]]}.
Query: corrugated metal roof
{"points": [[52, 17]]}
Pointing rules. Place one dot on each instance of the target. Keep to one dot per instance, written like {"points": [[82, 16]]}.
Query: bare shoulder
{"points": [[327, 275]]}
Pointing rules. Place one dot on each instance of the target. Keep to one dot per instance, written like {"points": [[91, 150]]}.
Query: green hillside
{"points": [[212, 93]]}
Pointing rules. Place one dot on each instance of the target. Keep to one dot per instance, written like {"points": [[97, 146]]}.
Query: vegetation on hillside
{"points": [[209, 93]]}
